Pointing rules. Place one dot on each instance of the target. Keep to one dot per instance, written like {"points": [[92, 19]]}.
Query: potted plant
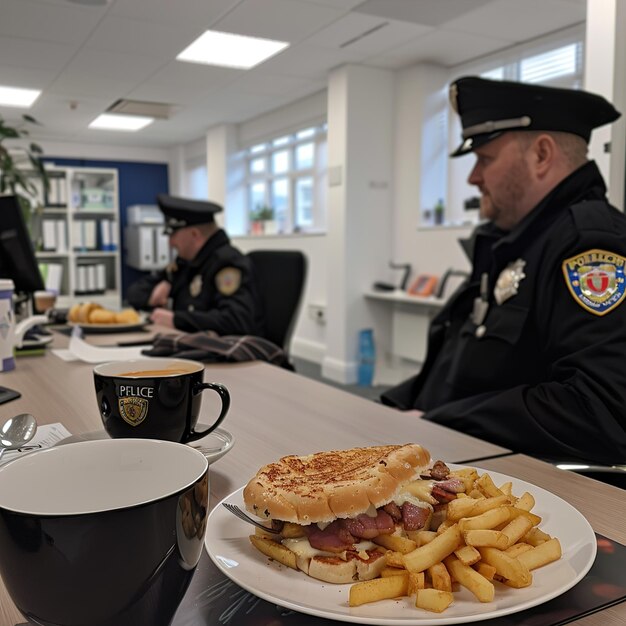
{"points": [[21, 166], [262, 220]]}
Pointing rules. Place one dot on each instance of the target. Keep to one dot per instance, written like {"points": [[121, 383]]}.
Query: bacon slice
{"points": [[453, 485], [414, 517], [366, 527], [334, 538], [394, 510]]}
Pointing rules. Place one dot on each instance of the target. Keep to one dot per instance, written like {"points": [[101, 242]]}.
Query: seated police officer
{"points": [[530, 352], [210, 285]]}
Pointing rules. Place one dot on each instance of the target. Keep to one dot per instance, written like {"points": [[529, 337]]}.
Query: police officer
{"points": [[530, 352], [210, 286]]}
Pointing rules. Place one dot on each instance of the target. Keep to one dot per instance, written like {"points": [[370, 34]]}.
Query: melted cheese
{"points": [[303, 548], [403, 497]]}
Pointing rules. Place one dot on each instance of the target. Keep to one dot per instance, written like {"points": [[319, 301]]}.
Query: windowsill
{"points": [[448, 226], [280, 235]]}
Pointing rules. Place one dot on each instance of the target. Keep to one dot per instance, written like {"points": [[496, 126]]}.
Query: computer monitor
{"points": [[17, 257]]}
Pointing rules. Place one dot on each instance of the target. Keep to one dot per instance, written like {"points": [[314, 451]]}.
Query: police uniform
{"points": [[529, 352], [214, 291]]}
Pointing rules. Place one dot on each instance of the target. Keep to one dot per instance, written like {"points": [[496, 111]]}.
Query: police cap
{"points": [[180, 212], [490, 107]]}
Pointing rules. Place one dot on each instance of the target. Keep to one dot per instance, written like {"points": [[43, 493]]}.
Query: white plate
{"points": [[214, 446], [229, 547]]}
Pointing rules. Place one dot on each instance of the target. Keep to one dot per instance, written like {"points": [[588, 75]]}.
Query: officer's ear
{"points": [[544, 153]]}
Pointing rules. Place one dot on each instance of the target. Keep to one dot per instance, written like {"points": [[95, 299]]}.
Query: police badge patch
{"points": [[195, 286], [227, 280], [595, 279]]}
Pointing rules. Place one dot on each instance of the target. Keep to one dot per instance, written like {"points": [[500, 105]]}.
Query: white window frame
{"points": [[318, 172]]}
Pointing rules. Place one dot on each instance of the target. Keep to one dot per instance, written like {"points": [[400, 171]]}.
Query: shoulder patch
{"points": [[227, 280], [595, 279]]}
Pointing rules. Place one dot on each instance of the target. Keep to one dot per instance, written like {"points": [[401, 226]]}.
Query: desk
{"points": [[410, 319], [275, 412]]}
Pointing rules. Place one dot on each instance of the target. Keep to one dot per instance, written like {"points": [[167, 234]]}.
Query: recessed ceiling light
{"points": [[18, 97], [129, 123], [229, 50]]}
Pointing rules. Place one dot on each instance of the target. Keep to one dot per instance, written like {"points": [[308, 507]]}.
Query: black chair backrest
{"points": [[281, 276]]}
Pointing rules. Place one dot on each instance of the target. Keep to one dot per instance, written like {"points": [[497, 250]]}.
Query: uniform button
{"points": [[480, 331], [190, 307]]}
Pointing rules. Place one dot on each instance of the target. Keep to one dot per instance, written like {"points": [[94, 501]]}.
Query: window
{"points": [[286, 183]]}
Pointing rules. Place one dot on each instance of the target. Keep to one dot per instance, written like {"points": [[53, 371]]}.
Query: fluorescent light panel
{"points": [[18, 97], [229, 50], [128, 123]]}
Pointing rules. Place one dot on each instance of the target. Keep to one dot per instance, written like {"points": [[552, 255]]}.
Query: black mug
{"points": [[155, 398], [110, 537]]}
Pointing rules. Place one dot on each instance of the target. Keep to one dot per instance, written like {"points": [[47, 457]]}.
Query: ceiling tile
{"points": [[310, 61], [366, 34], [26, 77], [131, 37], [48, 22], [35, 54], [426, 12], [114, 65], [200, 13], [259, 18], [446, 48], [519, 21]]}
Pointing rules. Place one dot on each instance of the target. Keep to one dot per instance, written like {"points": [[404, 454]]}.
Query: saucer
{"points": [[214, 446]]}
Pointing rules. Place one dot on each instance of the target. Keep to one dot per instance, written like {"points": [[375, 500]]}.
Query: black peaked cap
{"points": [[490, 107], [181, 212]]}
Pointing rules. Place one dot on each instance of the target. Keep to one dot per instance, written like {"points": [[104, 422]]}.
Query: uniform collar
{"points": [[584, 183], [487, 239], [217, 240]]}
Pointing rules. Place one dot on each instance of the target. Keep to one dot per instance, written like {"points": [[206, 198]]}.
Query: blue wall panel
{"points": [[139, 183]]}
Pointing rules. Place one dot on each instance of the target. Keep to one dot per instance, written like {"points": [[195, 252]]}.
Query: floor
{"points": [[313, 370]]}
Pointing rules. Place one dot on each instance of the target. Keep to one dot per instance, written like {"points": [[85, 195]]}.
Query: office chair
{"points": [[281, 275]]}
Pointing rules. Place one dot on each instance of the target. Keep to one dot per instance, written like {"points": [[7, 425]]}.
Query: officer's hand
{"points": [[160, 294], [162, 317]]}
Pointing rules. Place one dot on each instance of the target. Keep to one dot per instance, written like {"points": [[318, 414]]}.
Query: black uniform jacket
{"points": [[198, 304], [543, 376]]}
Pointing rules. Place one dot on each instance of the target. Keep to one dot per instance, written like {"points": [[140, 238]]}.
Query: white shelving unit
{"points": [[77, 235]]}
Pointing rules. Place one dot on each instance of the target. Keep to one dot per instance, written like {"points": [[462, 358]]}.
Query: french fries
{"points": [[489, 537], [274, 550], [378, 589]]}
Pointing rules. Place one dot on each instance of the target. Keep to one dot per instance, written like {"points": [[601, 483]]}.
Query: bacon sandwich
{"points": [[329, 506]]}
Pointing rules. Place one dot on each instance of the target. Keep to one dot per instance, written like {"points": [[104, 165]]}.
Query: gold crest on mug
{"points": [[133, 410]]}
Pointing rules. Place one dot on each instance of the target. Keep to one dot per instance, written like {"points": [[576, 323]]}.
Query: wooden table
{"points": [[275, 412]]}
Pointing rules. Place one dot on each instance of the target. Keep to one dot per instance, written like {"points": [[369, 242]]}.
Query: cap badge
{"points": [[453, 93], [508, 281], [595, 279], [227, 280], [195, 287]]}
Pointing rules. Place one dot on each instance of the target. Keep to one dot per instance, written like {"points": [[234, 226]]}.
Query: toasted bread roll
{"points": [[328, 485]]}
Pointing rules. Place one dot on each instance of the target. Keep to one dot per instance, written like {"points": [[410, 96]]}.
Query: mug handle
{"points": [[222, 392]]}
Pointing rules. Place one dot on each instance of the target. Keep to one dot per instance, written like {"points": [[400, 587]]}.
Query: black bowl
{"points": [[105, 533]]}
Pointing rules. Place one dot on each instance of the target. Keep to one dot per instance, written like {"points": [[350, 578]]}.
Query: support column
{"points": [[360, 205]]}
